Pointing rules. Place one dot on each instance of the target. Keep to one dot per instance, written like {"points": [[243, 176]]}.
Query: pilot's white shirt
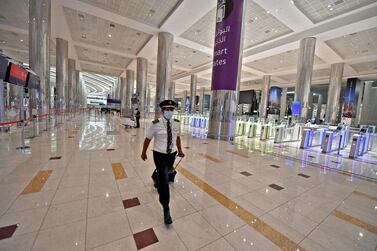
{"points": [[158, 131]]}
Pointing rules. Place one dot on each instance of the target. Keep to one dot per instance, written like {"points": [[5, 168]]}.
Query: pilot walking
{"points": [[167, 144]]}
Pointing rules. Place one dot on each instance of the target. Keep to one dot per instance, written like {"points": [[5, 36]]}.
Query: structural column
{"points": [[304, 75], [194, 81], [130, 80], [71, 83], [123, 95], [332, 107], [264, 99], [201, 100], [319, 108], [172, 91], [61, 73], [226, 68], [77, 90], [164, 68], [39, 48], [184, 104], [141, 84], [283, 104]]}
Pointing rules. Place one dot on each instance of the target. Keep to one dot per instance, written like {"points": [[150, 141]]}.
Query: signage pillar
{"points": [[226, 69], [201, 100]]}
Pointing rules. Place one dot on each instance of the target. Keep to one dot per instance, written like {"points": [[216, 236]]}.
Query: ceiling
{"points": [[106, 36]]}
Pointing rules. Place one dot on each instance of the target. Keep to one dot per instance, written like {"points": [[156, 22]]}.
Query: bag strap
{"points": [[178, 164]]}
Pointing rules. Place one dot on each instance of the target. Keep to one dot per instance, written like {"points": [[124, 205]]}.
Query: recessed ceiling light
{"points": [[331, 9], [21, 40], [81, 17], [268, 12], [2, 41], [83, 36], [292, 2], [109, 35], [338, 2], [151, 12]]}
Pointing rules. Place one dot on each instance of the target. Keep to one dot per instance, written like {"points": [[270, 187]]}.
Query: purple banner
{"points": [[274, 100], [227, 44], [350, 98]]}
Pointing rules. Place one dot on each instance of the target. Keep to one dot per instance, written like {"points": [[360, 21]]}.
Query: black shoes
{"points": [[167, 218]]}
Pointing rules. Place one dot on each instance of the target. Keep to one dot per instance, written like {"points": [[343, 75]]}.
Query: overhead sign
{"points": [[226, 54], [17, 75], [113, 101], [33, 81], [3, 67]]}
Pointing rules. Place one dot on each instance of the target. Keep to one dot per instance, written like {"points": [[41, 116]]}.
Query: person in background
{"points": [[166, 133], [137, 117]]}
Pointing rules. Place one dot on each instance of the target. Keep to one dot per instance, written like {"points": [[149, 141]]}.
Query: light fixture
{"points": [[109, 35], [3, 41], [151, 12], [21, 40], [81, 17], [292, 2], [83, 36]]}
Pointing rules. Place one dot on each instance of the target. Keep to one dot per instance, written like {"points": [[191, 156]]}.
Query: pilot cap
{"points": [[167, 104]]}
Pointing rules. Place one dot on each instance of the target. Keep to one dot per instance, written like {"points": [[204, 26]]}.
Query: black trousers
{"points": [[163, 163], [137, 122]]}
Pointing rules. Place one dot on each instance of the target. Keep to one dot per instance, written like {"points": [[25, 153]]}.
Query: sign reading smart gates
{"points": [[227, 44], [17, 75]]}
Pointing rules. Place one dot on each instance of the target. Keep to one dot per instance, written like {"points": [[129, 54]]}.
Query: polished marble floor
{"points": [[83, 186]]}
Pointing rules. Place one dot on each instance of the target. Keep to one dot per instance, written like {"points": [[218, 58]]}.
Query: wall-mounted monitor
{"points": [[33, 81], [16, 75], [296, 108], [3, 67]]}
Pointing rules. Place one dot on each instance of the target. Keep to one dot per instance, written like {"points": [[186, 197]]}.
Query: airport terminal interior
{"points": [[274, 102]]}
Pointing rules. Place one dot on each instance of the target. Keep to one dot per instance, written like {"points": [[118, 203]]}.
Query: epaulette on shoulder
{"points": [[177, 120], [155, 121]]}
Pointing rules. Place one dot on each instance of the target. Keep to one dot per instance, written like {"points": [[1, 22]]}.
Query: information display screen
{"points": [[3, 67], [17, 75], [33, 81], [296, 108]]}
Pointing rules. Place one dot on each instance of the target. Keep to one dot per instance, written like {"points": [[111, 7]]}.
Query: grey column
{"points": [[130, 80], [283, 104], [335, 86], [304, 75], [39, 47], [141, 84], [310, 105], [193, 84], [172, 91], [77, 89], [164, 68], [123, 94], [71, 83], [201, 100], [264, 99], [183, 104], [2, 106], [319, 108], [61, 73]]}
